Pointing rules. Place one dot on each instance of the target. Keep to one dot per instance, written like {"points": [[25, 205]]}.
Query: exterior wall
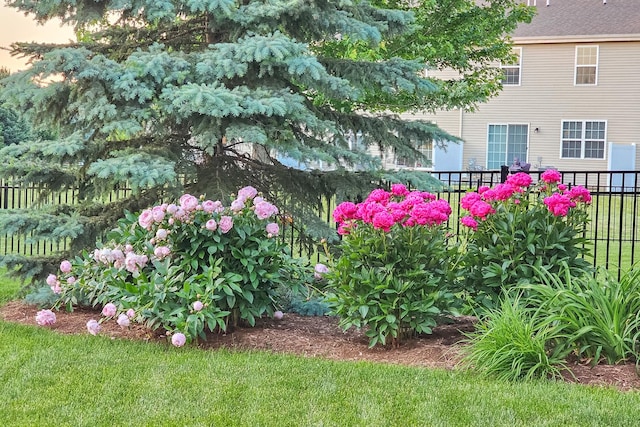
{"points": [[547, 95]]}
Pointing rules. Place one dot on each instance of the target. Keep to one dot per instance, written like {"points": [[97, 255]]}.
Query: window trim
{"points": [[396, 158], [507, 124], [517, 66], [582, 139], [575, 65]]}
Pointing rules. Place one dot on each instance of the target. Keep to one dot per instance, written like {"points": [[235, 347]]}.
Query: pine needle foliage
{"points": [[207, 96]]}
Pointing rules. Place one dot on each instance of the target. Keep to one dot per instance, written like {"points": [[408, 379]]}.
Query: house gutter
{"points": [[577, 39]]}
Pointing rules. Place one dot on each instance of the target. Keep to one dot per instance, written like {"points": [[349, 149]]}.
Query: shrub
{"points": [[192, 266], [602, 312], [515, 227], [512, 342], [393, 273]]}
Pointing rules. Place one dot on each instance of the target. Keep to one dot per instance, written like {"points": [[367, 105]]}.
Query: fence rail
{"points": [[614, 227]]}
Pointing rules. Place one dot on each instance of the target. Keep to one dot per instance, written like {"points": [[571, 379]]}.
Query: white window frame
{"points": [[507, 161], [516, 66], [576, 66], [399, 163], [583, 139]]}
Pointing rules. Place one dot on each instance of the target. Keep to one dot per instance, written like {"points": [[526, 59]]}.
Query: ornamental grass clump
{"points": [[517, 226], [188, 267], [393, 274]]}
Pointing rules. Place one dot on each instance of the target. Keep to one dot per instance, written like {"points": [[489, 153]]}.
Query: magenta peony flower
{"points": [[399, 190], [278, 315], [383, 220], [198, 305], [272, 229], [550, 176], [123, 320], [211, 225], [178, 339], [93, 327], [65, 266], [558, 204], [468, 221], [481, 209], [345, 211], [519, 179], [109, 310], [579, 194], [470, 199], [225, 224], [378, 195], [45, 318]]}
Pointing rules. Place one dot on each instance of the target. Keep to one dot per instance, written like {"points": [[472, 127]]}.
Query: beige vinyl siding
{"points": [[547, 96]]}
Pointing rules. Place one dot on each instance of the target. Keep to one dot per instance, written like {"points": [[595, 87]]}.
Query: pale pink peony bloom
{"points": [[162, 252], [52, 279], [208, 206], [171, 209], [145, 219], [131, 313], [265, 209], [225, 224], [45, 318], [65, 266], [247, 193], [211, 225], [198, 305], [320, 270], [178, 339], [237, 205], [272, 229], [188, 202], [93, 327], [158, 213], [161, 234], [109, 310], [71, 280], [278, 315], [123, 320]]}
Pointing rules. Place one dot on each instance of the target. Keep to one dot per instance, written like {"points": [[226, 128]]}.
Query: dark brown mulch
{"points": [[321, 337]]}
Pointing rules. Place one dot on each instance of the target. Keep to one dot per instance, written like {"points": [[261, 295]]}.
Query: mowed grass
{"points": [[52, 379]]}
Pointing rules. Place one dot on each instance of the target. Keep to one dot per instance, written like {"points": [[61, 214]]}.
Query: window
{"points": [[586, 65], [583, 139], [511, 71], [426, 149], [505, 143]]}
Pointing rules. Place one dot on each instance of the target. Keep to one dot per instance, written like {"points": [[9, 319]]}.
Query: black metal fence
{"points": [[614, 227]]}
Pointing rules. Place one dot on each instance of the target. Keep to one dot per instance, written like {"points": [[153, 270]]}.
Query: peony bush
{"points": [[394, 273], [517, 227], [188, 267]]}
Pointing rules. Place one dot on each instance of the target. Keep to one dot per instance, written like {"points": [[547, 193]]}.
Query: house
{"points": [[571, 100]]}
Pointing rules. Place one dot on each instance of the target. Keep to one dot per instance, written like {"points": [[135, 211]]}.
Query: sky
{"points": [[14, 27]]}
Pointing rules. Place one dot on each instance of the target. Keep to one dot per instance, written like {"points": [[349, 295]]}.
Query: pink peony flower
{"points": [[211, 225], [109, 310], [345, 211], [178, 339], [56, 289], [162, 252], [558, 204], [93, 327], [123, 320], [579, 194], [161, 234], [226, 224], [399, 190], [272, 229], [470, 199], [378, 195], [247, 193], [188, 202], [481, 209], [71, 280], [131, 313], [265, 210], [468, 221], [157, 213], [550, 176], [45, 318], [237, 205], [52, 279], [65, 266], [198, 305], [519, 179], [383, 220], [320, 270], [145, 219], [278, 315], [171, 209]]}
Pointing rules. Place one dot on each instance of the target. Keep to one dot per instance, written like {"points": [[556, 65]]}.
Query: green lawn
{"points": [[51, 379]]}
